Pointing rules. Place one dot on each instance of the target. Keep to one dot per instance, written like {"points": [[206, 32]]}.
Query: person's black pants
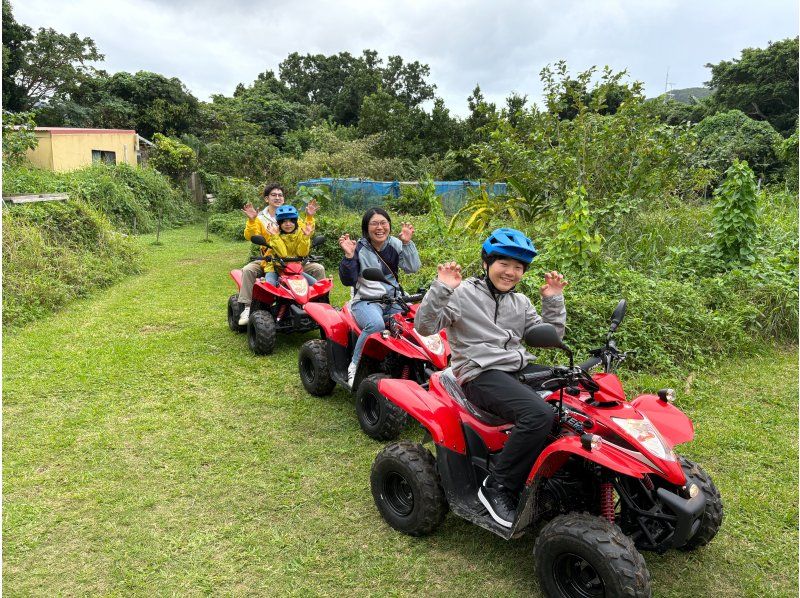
{"points": [[504, 395]]}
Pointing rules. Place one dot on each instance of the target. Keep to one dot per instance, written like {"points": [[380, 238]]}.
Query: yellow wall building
{"points": [[63, 149]]}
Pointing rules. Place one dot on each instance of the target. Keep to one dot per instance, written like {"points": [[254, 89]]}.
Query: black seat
{"points": [[454, 389]]}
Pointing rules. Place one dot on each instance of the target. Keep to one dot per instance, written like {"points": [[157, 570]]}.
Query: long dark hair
{"points": [[368, 215]]}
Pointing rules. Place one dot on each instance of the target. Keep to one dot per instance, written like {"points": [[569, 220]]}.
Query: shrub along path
{"points": [[147, 451]]}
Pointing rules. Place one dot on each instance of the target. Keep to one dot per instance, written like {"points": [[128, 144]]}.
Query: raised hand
{"points": [[449, 273], [308, 229], [312, 207], [347, 245], [249, 211], [272, 228], [407, 232], [554, 284]]}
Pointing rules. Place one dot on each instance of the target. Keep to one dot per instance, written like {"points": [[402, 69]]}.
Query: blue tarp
{"points": [[363, 193]]}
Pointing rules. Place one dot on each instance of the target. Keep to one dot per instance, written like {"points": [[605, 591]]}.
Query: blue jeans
{"points": [[272, 278], [370, 318]]}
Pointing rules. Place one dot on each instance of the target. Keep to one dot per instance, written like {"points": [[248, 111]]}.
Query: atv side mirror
{"points": [[619, 314], [317, 241], [258, 240], [374, 274], [545, 336]]}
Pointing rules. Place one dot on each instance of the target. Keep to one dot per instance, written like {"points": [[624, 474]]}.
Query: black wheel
{"points": [[261, 332], [234, 311], [315, 371], [379, 417], [711, 519], [406, 488], [579, 555]]}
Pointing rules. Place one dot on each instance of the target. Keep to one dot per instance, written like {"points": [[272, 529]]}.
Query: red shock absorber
{"points": [[406, 372], [281, 312], [648, 483], [607, 501]]}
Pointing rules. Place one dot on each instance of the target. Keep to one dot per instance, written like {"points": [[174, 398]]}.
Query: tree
{"points": [[763, 84], [14, 36], [729, 136], [51, 63]]}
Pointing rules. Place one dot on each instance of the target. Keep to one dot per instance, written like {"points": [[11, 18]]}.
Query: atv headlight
{"points": [[433, 342], [298, 285], [646, 434]]}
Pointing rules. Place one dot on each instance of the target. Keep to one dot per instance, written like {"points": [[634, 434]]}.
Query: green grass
{"points": [[147, 451]]}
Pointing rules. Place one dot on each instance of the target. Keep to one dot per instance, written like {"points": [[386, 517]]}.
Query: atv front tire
{"points": [[579, 554], [711, 520], [315, 371], [261, 332], [379, 417], [406, 488], [234, 312]]}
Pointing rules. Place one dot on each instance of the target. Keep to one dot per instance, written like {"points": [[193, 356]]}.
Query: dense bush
{"points": [[55, 252], [132, 198], [732, 135], [172, 157]]}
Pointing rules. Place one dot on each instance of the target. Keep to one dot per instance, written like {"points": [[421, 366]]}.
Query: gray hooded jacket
{"points": [[485, 331]]}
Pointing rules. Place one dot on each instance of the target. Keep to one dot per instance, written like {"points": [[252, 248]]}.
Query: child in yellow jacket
{"points": [[290, 241]]}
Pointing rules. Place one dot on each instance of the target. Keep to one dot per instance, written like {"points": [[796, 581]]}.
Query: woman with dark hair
{"points": [[375, 249]]}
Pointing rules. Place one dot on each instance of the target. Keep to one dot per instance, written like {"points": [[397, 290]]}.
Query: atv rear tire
{"points": [[406, 488], [379, 417], [234, 312], [261, 332], [315, 371], [711, 519], [579, 555]]}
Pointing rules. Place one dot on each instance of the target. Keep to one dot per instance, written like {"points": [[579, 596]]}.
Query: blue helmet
{"points": [[286, 213], [509, 242]]}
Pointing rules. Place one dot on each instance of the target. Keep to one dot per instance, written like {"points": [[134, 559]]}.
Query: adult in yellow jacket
{"points": [[264, 223]]}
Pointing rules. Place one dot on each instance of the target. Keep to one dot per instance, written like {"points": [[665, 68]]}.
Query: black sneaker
{"points": [[499, 501]]}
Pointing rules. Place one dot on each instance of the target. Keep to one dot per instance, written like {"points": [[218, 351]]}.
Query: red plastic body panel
{"points": [[237, 278], [330, 320], [610, 388], [554, 455], [440, 419], [673, 424]]}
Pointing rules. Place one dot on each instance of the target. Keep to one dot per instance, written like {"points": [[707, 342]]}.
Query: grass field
{"points": [[146, 451]]}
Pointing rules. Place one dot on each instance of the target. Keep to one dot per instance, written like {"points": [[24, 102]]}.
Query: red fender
{"points": [[671, 422], [329, 320], [439, 418], [237, 278], [554, 455], [378, 347], [322, 287]]}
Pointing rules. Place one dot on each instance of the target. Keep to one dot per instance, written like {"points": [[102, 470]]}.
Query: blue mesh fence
{"points": [[360, 194]]}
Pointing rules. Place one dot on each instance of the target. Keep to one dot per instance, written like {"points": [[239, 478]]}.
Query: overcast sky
{"points": [[502, 45]]}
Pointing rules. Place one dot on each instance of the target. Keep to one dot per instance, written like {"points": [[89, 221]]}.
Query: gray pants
{"points": [[253, 270]]}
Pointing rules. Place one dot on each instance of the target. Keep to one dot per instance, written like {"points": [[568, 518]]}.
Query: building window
{"points": [[103, 156]]}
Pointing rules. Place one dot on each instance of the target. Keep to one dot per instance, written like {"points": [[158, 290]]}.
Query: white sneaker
{"points": [[244, 316], [351, 374]]}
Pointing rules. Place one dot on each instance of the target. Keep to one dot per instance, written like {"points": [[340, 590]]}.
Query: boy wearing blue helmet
{"points": [[291, 241], [486, 322]]}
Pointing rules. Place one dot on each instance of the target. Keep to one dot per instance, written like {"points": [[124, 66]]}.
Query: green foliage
{"points": [[334, 155], [576, 243], [321, 194], [763, 83], [131, 198], [172, 157], [18, 137], [232, 194], [624, 159], [790, 153], [15, 35], [729, 136], [56, 252], [734, 217]]}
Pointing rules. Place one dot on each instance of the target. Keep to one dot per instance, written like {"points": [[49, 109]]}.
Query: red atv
{"points": [[278, 308], [607, 485], [397, 352]]}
